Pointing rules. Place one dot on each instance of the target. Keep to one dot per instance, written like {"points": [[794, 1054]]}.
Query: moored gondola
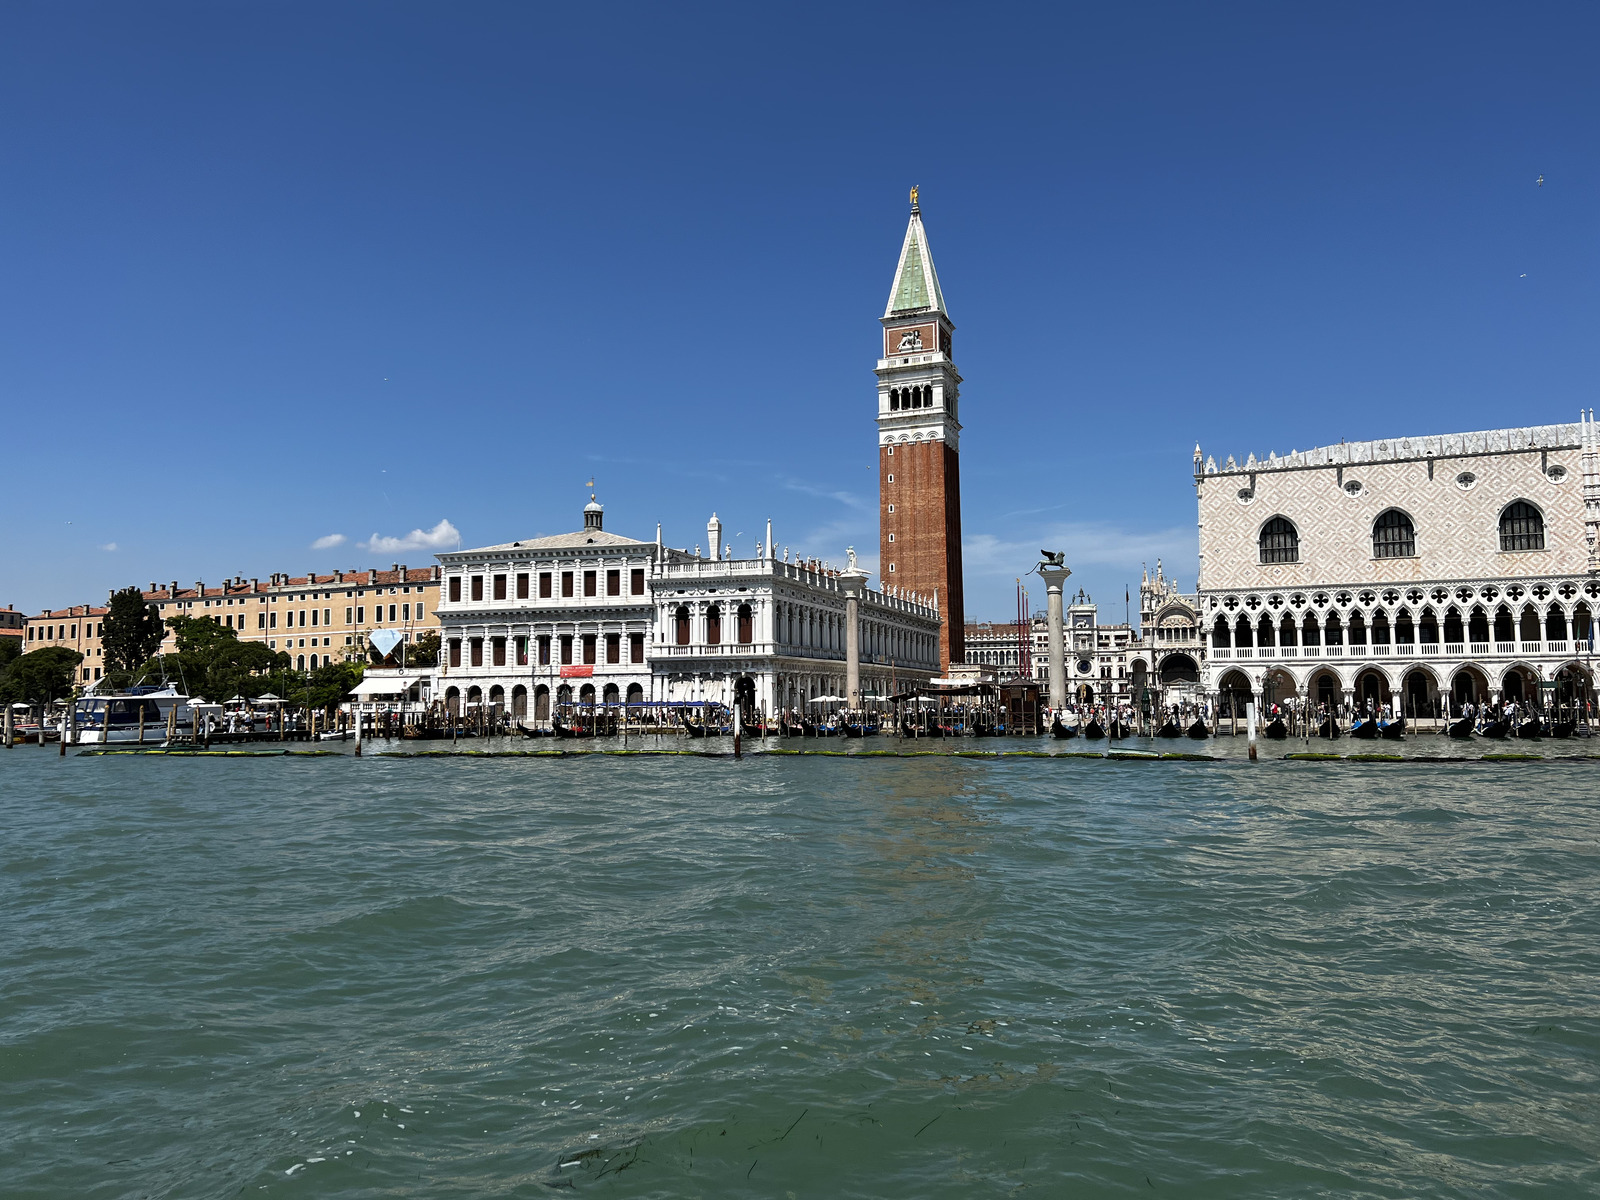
{"points": [[1169, 730], [1393, 731], [1365, 729], [1462, 729], [1094, 731], [1496, 729], [1057, 729], [527, 732], [1120, 729], [1276, 730], [1531, 730], [1562, 729], [562, 730], [1328, 729], [1198, 730]]}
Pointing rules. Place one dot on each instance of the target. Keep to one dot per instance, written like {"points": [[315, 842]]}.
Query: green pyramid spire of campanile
{"points": [[916, 283]]}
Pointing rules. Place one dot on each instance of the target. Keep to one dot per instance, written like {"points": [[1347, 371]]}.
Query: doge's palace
{"points": [[1430, 571]]}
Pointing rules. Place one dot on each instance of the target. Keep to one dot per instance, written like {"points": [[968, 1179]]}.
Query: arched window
{"points": [[894, 399], [1280, 541], [746, 627], [714, 625], [682, 618], [1394, 536], [1521, 527]]}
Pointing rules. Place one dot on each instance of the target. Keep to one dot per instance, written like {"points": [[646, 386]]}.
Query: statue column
{"points": [[1054, 577], [852, 581]]}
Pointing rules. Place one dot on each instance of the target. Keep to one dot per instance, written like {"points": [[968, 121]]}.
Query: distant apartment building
{"points": [[13, 625], [315, 619], [76, 628]]}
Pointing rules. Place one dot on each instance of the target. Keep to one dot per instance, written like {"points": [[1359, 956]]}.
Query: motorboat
{"points": [[137, 715]]}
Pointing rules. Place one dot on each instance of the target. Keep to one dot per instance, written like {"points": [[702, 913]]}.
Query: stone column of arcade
{"points": [[852, 581], [1054, 575]]}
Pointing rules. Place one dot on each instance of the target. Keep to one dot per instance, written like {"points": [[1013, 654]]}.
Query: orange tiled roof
{"points": [[77, 610]]}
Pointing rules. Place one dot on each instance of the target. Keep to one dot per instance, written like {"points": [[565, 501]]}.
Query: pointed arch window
{"points": [[1521, 527], [1280, 541], [1394, 536]]}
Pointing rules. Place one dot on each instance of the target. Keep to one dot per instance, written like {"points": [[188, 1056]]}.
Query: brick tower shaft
{"points": [[919, 443]]}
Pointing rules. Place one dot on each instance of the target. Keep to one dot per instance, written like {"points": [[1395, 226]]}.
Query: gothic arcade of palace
{"points": [[1443, 569]]}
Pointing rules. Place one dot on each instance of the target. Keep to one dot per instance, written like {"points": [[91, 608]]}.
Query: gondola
{"points": [[1496, 729], [1276, 730], [1563, 729], [1394, 731], [1198, 730], [1328, 729], [1365, 729], [788, 729], [1120, 729], [1094, 731], [1531, 730], [1462, 729], [563, 730], [1169, 730], [1057, 729], [532, 733]]}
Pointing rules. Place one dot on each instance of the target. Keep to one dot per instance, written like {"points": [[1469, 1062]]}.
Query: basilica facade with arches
{"points": [[1425, 573]]}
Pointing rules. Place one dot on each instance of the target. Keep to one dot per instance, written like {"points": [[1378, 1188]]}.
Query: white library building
{"points": [[592, 617]]}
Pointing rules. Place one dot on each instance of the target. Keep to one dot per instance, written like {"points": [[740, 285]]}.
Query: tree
{"points": [[212, 662], [131, 632], [10, 651], [326, 686], [424, 652], [40, 677]]}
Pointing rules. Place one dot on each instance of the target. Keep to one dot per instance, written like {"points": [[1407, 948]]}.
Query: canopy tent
{"points": [[386, 685]]}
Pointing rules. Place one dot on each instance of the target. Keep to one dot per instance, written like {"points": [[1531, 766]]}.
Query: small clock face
{"points": [[1084, 666]]}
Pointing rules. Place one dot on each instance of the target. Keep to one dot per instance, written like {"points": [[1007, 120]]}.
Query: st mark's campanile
{"points": [[919, 442]]}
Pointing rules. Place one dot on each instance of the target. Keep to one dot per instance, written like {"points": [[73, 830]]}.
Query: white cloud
{"points": [[329, 542], [443, 536], [110, 546]]}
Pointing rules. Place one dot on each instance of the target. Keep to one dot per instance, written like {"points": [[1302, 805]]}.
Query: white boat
{"points": [[137, 715]]}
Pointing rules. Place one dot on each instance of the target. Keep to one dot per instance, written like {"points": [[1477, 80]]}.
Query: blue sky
{"points": [[276, 275]]}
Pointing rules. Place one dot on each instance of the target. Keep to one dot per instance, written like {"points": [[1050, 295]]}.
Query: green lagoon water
{"points": [[797, 977]]}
